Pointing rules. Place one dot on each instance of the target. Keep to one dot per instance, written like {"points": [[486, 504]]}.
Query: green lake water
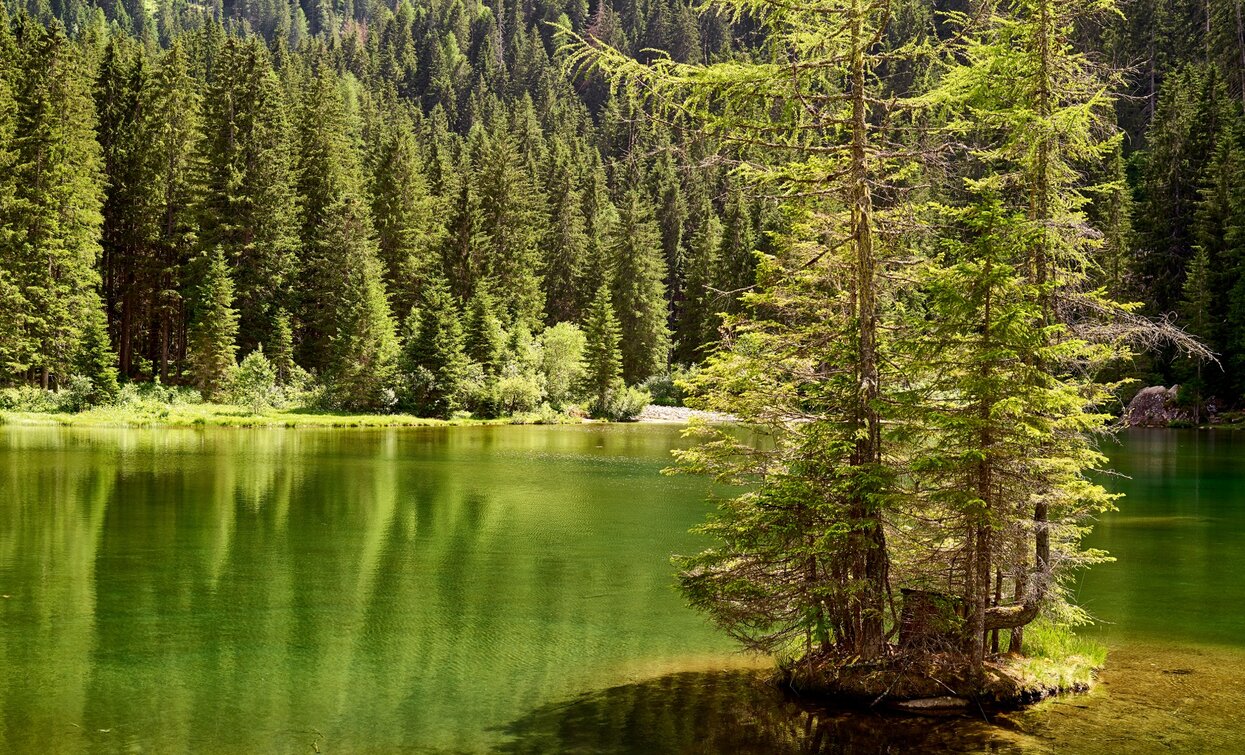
{"points": [[509, 588]]}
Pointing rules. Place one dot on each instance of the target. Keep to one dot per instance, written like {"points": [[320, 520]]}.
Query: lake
{"points": [[509, 588]]}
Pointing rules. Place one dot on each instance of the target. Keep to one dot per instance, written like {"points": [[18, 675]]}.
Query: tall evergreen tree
{"points": [[639, 294], [603, 355], [54, 218], [512, 223], [214, 330], [96, 359], [408, 229], [433, 356], [248, 204]]}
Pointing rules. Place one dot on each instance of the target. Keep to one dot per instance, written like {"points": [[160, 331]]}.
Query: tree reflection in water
{"points": [[738, 712]]}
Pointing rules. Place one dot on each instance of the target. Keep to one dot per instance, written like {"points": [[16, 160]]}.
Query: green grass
{"points": [[1056, 657], [148, 414]]}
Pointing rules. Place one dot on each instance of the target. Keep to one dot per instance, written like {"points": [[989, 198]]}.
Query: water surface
{"points": [[509, 588]]}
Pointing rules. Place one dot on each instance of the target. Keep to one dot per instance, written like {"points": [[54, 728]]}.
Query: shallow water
{"points": [[509, 588]]}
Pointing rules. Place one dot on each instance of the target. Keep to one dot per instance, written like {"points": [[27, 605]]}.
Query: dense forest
{"points": [[399, 203]]}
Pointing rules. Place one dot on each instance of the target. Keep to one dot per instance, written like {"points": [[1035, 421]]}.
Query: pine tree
{"points": [[603, 355], [214, 331], [639, 295]]}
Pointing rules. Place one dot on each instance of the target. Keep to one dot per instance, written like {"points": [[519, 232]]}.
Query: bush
{"points": [[254, 383], [670, 389], [562, 362], [78, 394], [622, 404], [27, 398], [518, 393], [478, 391]]}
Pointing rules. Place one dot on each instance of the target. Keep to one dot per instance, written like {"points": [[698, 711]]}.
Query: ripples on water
{"points": [[509, 589]]}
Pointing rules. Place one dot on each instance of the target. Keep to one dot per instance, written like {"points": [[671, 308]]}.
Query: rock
{"points": [[1155, 407]]}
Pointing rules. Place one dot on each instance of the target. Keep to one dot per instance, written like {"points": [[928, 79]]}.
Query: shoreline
{"points": [[227, 415]]}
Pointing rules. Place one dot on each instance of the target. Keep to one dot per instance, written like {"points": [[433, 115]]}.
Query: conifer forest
{"points": [[356, 165], [912, 259]]}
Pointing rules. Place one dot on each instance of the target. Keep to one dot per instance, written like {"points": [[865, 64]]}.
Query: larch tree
{"points": [[802, 557]]}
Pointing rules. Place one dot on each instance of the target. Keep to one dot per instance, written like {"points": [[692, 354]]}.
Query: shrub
{"points": [[254, 383], [27, 398], [562, 362], [670, 389], [78, 394], [518, 393], [621, 404]]}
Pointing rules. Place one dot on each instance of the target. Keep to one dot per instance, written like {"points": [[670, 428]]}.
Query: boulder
{"points": [[1155, 407]]}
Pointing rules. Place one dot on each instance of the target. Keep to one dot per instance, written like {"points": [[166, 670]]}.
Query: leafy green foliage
{"points": [[562, 349], [255, 383]]}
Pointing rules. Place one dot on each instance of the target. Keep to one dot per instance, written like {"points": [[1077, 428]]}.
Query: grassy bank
{"points": [[225, 415], [1056, 658]]}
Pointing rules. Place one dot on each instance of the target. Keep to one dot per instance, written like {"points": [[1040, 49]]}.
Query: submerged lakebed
{"points": [[509, 588]]}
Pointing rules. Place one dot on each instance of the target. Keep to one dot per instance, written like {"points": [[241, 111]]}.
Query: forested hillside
{"points": [[402, 200], [396, 200]]}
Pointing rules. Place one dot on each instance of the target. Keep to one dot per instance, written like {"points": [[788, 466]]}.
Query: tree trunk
{"points": [[870, 538]]}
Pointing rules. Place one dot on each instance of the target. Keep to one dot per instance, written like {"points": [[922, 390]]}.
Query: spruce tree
{"points": [[362, 370], [282, 347], [512, 221], [639, 294], [55, 218], [566, 245], [485, 340], [248, 204], [16, 346], [408, 228], [214, 331], [602, 355], [171, 108], [433, 359], [96, 359]]}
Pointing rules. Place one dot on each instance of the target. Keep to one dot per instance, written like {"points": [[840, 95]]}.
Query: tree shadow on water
{"points": [[735, 712]]}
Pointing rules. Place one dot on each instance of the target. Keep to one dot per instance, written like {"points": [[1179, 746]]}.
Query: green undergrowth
{"points": [[225, 415], [1056, 658]]}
